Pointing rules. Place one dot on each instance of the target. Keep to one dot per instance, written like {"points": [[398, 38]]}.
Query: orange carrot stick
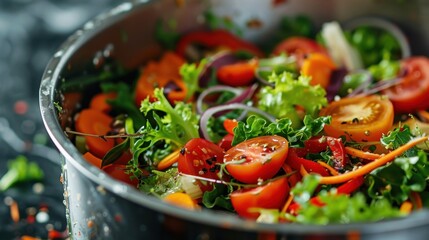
{"points": [[362, 154], [330, 169], [372, 165], [287, 204], [169, 160]]}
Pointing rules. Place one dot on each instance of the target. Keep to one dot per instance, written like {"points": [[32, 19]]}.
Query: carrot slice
{"points": [[160, 74], [180, 199], [287, 204], [362, 154], [169, 160], [93, 121], [370, 166], [319, 67], [99, 102]]}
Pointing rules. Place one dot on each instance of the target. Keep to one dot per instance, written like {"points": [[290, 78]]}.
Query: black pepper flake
{"points": [[182, 151], [204, 170], [344, 122], [355, 120]]}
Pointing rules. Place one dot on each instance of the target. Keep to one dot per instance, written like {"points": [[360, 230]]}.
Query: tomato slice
{"points": [[412, 93], [237, 74], [359, 119], [270, 196], [256, 159], [199, 157]]}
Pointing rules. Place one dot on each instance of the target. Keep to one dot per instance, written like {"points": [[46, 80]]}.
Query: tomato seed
{"points": [[182, 151]]}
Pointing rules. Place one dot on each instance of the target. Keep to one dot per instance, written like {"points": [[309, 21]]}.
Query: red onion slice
{"points": [[233, 106], [241, 94]]}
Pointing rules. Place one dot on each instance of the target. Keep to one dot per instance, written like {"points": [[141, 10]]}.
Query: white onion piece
{"points": [[339, 48], [190, 186], [233, 106]]}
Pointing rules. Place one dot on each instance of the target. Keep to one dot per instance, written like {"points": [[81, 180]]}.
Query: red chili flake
{"points": [[20, 107]]}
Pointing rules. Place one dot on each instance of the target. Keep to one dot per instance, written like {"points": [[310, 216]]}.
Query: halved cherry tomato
{"points": [[412, 93], [299, 47], [270, 196], [199, 157], [256, 159], [237, 74], [93, 121], [359, 119], [117, 171], [164, 73]]}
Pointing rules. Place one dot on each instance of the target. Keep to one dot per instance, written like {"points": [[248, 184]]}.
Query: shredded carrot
{"points": [[14, 211], [417, 200], [169, 160], [303, 171], [180, 199], [362, 154], [330, 169], [372, 165], [287, 204], [424, 115], [406, 207]]}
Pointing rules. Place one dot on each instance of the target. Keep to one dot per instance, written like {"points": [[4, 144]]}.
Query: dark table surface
{"points": [[30, 32]]}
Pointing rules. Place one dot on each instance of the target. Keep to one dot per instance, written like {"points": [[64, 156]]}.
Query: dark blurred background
{"points": [[30, 32]]}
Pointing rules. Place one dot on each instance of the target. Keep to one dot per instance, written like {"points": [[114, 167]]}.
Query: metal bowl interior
{"points": [[126, 32]]}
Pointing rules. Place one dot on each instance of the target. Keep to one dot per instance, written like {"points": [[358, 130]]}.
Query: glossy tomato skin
{"points": [[360, 119], [256, 159], [270, 196], [199, 157], [412, 93], [299, 47]]}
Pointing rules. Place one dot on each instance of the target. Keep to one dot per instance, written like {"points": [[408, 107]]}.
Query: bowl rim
{"points": [[47, 90]]}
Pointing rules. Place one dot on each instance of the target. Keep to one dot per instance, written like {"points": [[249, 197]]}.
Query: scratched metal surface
{"points": [[30, 32]]}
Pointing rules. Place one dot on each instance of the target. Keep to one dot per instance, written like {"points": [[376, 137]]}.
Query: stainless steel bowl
{"points": [[99, 207]]}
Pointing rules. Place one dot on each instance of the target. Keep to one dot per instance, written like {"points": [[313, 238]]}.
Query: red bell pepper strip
{"points": [[346, 188], [216, 38], [318, 144], [351, 186], [295, 160]]}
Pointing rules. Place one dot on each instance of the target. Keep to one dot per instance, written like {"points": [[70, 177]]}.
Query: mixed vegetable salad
{"points": [[314, 126]]}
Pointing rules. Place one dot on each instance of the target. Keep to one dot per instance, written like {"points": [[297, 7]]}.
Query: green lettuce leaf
{"points": [[282, 99]]}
